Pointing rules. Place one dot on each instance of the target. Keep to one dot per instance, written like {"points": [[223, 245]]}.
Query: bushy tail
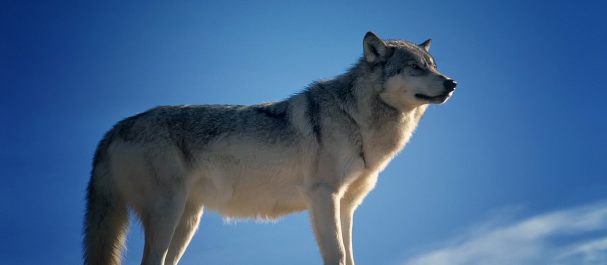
{"points": [[106, 219]]}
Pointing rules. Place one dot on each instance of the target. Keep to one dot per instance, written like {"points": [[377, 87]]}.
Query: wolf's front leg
{"points": [[349, 202], [347, 212], [324, 212]]}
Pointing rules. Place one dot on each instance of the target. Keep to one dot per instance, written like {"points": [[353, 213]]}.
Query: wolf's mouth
{"points": [[434, 99]]}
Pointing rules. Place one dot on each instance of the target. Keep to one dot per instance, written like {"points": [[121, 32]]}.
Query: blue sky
{"points": [[513, 164]]}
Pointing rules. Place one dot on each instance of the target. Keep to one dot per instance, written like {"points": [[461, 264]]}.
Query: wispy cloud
{"points": [[566, 237]]}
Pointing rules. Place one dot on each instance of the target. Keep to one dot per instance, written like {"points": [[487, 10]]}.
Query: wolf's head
{"points": [[409, 72]]}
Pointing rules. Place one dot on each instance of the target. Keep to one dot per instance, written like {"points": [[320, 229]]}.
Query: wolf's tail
{"points": [[106, 219]]}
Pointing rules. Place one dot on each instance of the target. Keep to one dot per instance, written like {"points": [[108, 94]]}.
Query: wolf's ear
{"points": [[426, 45], [375, 49]]}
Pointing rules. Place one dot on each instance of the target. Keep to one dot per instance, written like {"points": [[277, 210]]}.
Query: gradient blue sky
{"points": [[523, 139]]}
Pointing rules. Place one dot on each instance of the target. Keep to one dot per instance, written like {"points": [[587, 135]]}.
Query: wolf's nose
{"points": [[450, 85]]}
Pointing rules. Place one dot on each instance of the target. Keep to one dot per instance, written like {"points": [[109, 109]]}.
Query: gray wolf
{"points": [[320, 150]]}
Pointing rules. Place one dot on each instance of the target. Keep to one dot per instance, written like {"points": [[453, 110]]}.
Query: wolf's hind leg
{"points": [[185, 230], [159, 225], [164, 193]]}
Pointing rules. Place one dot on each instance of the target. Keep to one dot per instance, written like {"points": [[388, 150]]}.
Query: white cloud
{"points": [[566, 237]]}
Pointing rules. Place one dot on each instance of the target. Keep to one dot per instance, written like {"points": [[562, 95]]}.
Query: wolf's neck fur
{"points": [[384, 129]]}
